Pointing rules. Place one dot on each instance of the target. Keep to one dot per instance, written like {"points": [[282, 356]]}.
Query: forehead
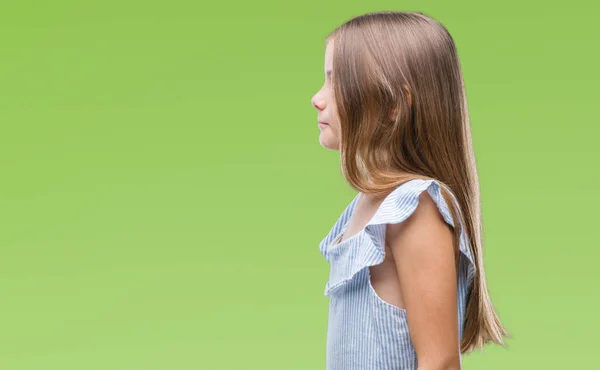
{"points": [[329, 54]]}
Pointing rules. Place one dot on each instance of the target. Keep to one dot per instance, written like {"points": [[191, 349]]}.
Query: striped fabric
{"points": [[364, 331]]}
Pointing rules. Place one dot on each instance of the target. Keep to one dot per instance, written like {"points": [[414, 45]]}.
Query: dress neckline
{"points": [[337, 240]]}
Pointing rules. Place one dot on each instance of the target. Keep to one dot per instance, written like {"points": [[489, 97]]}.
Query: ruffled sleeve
{"points": [[367, 248], [402, 202]]}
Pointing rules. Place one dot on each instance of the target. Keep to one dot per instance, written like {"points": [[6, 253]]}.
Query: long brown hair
{"points": [[402, 108]]}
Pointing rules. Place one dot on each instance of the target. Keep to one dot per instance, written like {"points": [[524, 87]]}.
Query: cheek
{"points": [[335, 129], [335, 135], [330, 138]]}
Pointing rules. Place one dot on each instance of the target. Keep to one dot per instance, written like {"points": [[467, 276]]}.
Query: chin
{"points": [[329, 144]]}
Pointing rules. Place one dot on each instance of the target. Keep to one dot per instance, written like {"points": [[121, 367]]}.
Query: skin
{"points": [[424, 259], [418, 273], [324, 103]]}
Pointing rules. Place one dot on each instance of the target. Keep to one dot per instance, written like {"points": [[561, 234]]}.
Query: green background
{"points": [[163, 190]]}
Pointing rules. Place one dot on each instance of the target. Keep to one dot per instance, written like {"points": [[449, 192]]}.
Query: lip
{"points": [[322, 124]]}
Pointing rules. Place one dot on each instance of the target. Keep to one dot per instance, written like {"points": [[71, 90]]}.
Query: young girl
{"points": [[406, 284]]}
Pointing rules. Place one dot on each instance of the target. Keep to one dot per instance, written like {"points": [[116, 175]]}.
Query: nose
{"points": [[318, 104]]}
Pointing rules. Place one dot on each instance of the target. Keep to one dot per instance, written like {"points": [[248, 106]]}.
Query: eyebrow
{"points": [[328, 73]]}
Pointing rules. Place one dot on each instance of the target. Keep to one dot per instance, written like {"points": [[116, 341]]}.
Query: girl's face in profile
{"points": [[325, 105]]}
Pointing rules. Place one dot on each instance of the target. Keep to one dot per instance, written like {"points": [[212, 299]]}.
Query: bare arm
{"points": [[425, 262]]}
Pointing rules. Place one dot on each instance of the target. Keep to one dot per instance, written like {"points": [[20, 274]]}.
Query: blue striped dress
{"points": [[364, 331]]}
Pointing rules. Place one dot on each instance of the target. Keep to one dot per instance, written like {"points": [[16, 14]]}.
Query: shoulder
{"points": [[416, 204], [425, 226]]}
